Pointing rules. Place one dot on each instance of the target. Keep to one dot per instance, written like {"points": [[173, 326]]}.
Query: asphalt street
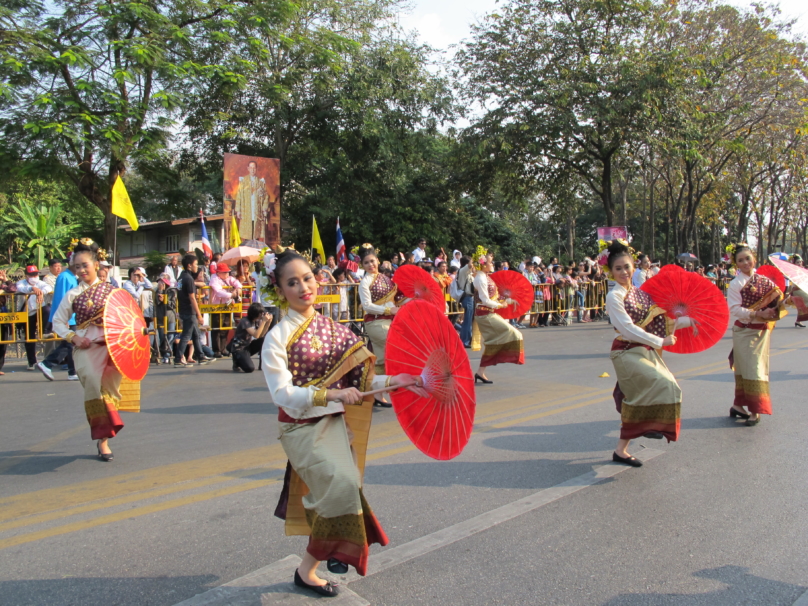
{"points": [[532, 512]]}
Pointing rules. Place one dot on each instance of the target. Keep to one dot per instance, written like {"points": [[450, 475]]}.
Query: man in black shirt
{"points": [[190, 316], [245, 343]]}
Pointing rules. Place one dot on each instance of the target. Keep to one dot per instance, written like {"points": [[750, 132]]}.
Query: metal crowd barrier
{"points": [[339, 301]]}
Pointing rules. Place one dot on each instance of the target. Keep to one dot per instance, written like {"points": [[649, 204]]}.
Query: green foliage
{"points": [[37, 230], [155, 262]]}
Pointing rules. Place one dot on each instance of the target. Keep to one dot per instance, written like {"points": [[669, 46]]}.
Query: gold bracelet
{"points": [[320, 397], [69, 336], [388, 380]]}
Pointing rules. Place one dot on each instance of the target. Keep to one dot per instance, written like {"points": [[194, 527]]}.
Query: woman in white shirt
{"points": [[755, 303], [643, 272], [316, 369], [646, 395], [502, 343]]}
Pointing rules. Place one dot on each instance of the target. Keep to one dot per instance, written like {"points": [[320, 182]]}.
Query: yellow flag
{"points": [[235, 238], [122, 205], [316, 242]]}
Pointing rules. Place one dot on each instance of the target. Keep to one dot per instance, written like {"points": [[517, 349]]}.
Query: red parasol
{"points": [[773, 274], [126, 335], [423, 342], [416, 283], [683, 293], [670, 267], [513, 285]]}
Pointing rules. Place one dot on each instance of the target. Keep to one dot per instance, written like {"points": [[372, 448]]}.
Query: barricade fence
{"points": [[341, 302]]}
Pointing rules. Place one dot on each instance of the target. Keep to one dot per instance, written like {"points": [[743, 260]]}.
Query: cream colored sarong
{"points": [[377, 332]]}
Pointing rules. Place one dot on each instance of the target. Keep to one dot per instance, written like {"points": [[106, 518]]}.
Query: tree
{"points": [[89, 87], [568, 83], [39, 230]]}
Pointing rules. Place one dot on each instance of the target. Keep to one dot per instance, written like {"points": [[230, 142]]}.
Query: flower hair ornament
{"points": [[266, 279], [732, 250], [478, 256], [603, 254]]}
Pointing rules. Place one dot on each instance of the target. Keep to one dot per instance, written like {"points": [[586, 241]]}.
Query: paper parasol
{"points": [[684, 293], [423, 342], [513, 285], [241, 252], [126, 335], [416, 283], [773, 274], [670, 267], [798, 275]]}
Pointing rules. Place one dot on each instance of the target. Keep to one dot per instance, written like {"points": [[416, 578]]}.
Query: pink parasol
{"points": [[798, 275]]}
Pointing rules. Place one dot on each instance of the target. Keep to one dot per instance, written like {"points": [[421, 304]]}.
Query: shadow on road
{"points": [[253, 408], [101, 591], [742, 588]]}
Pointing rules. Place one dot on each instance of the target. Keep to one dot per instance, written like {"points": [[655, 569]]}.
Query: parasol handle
{"points": [[386, 389], [147, 332]]}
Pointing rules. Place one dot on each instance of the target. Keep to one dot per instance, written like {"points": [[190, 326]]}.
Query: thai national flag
{"points": [[205, 242], [341, 256]]}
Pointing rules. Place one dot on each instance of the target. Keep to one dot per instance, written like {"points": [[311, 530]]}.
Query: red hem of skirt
{"points": [[632, 431], [759, 405], [348, 552], [108, 427], [504, 357]]}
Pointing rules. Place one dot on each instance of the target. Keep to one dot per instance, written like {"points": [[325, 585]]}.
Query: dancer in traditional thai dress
{"points": [[379, 297], [647, 395], [755, 303], [98, 375], [501, 342], [315, 369], [798, 296]]}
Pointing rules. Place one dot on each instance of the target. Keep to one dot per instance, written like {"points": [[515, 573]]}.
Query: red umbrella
{"points": [[423, 342], [513, 285], [683, 293], [416, 283], [126, 335], [774, 274], [670, 267]]}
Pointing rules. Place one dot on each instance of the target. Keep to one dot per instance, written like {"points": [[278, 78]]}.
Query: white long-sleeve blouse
{"points": [[622, 322], [481, 284], [61, 320], [736, 309], [367, 300], [297, 402]]}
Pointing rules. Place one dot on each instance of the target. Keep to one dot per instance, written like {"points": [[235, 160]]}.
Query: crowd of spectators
{"points": [[171, 301]]}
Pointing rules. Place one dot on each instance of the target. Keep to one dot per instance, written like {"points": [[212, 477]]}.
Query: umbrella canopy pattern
{"points": [[798, 275], [513, 285], [683, 293], [416, 283], [423, 342], [241, 252], [126, 336]]}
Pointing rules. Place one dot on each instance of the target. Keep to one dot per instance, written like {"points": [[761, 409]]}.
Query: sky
{"points": [[440, 23]]}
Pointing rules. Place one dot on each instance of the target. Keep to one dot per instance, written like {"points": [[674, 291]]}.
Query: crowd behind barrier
{"points": [[557, 303]]}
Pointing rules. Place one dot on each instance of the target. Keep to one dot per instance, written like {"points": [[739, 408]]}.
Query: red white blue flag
{"points": [[205, 242], [341, 256]]}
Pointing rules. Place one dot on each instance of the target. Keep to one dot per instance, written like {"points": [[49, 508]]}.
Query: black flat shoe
{"points": [[337, 567], [329, 590], [382, 404], [752, 422], [654, 435], [799, 324], [103, 456], [737, 414], [479, 378], [633, 461]]}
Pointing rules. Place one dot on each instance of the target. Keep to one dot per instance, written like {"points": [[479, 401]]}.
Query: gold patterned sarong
{"points": [[101, 381], [377, 332], [503, 344], [750, 360]]}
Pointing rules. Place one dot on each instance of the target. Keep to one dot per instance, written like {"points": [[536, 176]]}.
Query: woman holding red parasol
{"points": [[647, 395], [755, 303], [503, 343], [97, 372], [314, 368], [378, 295]]}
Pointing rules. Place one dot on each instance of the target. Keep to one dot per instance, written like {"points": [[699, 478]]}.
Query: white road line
{"points": [[267, 583]]}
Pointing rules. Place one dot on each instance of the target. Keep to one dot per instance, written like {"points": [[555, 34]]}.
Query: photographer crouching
{"points": [[246, 342]]}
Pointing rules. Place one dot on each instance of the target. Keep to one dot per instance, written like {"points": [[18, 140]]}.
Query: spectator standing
{"points": [[104, 268], [7, 287], [165, 313], [643, 271], [64, 350], [189, 313], [419, 254], [214, 261], [36, 289], [456, 256], [220, 296], [342, 278], [137, 283], [174, 270], [54, 269], [465, 284]]}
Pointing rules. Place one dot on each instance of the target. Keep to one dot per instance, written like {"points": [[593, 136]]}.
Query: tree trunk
{"points": [[606, 190]]}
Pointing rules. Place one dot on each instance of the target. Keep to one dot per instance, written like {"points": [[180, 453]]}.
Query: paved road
{"points": [[530, 513]]}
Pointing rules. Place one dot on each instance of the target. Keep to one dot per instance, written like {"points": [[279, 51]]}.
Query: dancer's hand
{"points": [[510, 301], [81, 342], [412, 382], [347, 396], [669, 340], [766, 314], [393, 310]]}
